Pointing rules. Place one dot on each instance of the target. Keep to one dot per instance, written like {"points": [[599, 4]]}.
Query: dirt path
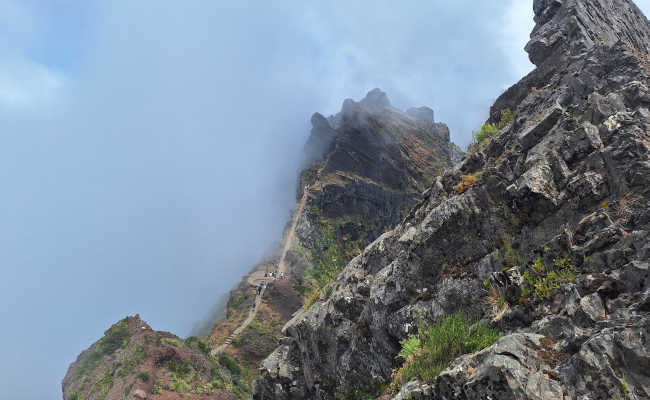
{"points": [[257, 277]]}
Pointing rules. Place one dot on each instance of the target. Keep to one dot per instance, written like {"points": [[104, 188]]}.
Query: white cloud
{"points": [[25, 85], [516, 28], [644, 5]]}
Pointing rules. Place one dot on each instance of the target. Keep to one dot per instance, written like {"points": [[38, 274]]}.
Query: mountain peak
{"points": [[376, 100]]}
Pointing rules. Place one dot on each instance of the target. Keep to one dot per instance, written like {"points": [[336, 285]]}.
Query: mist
{"points": [[150, 149]]}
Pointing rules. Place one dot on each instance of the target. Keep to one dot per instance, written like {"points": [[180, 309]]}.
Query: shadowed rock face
{"points": [[566, 183], [374, 162]]}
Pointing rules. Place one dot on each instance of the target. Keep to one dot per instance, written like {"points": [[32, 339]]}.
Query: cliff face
{"points": [[541, 232], [364, 168], [370, 164]]}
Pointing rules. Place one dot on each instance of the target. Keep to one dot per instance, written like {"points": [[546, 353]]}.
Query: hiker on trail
{"points": [[259, 289], [253, 305]]}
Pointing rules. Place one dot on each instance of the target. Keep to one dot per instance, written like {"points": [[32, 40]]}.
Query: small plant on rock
{"points": [[436, 345], [542, 282], [409, 347], [468, 181]]}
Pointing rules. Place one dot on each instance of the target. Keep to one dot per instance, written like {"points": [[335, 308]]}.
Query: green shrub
{"points": [[157, 387], [409, 347], [439, 344], [115, 337], [179, 384], [260, 328], [328, 255], [131, 360], [180, 367], [542, 282], [238, 301], [170, 342], [196, 343], [488, 130], [230, 364], [143, 376], [104, 384]]}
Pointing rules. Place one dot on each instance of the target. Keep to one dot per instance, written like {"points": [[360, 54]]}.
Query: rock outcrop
{"points": [[374, 161], [134, 362], [552, 215]]}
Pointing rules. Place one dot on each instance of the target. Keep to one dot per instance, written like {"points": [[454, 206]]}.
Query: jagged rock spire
{"points": [[566, 28]]}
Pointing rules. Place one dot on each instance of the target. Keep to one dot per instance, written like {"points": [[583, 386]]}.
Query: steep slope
{"points": [[364, 168], [542, 232]]}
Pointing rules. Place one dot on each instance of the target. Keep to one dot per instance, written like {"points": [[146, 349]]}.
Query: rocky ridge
{"points": [[364, 168], [549, 220]]}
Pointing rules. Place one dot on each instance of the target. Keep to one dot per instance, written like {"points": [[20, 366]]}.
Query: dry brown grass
{"points": [[468, 181], [497, 302]]}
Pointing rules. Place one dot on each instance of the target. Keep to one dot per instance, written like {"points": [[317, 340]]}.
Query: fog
{"points": [[149, 148]]}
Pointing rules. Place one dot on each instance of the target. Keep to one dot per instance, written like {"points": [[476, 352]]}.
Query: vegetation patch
{"points": [[143, 376], [489, 130], [541, 282], [230, 364], [116, 337], [157, 387], [329, 254], [170, 342], [131, 360], [429, 352], [467, 181], [511, 256], [197, 344]]}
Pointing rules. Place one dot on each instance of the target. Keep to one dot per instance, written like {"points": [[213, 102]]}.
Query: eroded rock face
{"points": [[373, 162], [566, 185]]}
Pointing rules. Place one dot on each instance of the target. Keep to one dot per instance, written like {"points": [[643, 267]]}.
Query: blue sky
{"points": [[149, 149]]}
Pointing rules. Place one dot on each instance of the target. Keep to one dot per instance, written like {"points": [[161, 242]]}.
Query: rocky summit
{"points": [[132, 361], [523, 272]]}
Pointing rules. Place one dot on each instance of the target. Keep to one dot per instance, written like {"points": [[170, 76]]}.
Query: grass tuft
{"points": [[436, 345]]}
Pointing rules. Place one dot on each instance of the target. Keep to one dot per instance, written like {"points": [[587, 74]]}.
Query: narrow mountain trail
{"points": [[258, 277]]}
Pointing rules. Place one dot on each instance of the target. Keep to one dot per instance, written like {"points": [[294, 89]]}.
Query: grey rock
{"points": [[518, 366], [569, 180]]}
